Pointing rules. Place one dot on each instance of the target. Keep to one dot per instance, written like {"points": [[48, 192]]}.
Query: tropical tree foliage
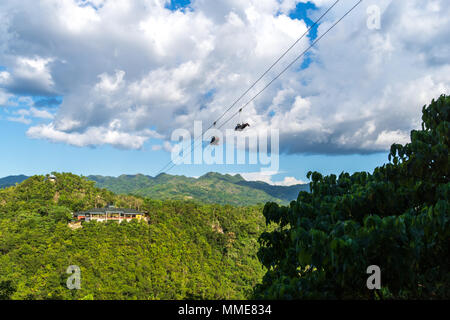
{"points": [[396, 218], [185, 250]]}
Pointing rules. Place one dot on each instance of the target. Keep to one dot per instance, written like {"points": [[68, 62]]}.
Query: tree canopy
{"points": [[396, 218], [185, 251]]}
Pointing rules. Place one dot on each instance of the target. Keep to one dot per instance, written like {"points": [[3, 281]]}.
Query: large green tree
{"points": [[396, 218]]}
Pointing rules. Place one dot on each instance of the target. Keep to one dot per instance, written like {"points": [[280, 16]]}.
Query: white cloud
{"points": [[41, 114], [267, 177], [91, 137], [4, 97], [367, 89], [28, 76], [289, 181], [5, 78], [109, 83], [75, 18], [26, 115], [129, 67], [386, 138], [21, 119]]}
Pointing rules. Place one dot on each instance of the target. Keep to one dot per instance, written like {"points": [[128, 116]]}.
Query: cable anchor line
{"points": [[272, 81]]}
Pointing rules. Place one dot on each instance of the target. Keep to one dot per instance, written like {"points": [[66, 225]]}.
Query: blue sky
{"points": [[30, 156], [178, 4], [24, 155]]}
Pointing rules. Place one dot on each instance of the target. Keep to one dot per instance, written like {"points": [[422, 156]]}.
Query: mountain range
{"points": [[210, 188], [11, 181]]}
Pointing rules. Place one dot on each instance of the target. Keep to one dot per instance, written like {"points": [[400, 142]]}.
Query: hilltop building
{"points": [[110, 213], [51, 178]]}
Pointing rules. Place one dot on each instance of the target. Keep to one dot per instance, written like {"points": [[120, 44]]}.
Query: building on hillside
{"points": [[51, 178], [110, 213]]}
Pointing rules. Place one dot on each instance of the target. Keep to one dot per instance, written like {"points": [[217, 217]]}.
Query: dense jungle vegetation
{"points": [[397, 218], [185, 250]]}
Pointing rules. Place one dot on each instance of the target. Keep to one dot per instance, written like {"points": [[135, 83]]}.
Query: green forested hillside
{"points": [[210, 188], [186, 250]]}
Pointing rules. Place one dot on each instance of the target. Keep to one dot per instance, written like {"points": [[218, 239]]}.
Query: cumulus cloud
{"points": [[268, 177], [289, 181], [41, 114], [130, 71], [21, 119], [367, 88], [31, 76], [4, 98], [26, 115], [91, 137]]}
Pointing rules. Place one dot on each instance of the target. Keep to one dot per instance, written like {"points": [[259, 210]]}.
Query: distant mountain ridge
{"points": [[12, 180], [212, 187]]}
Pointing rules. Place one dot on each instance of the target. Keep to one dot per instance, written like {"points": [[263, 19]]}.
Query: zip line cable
{"points": [[274, 79], [262, 76], [278, 60], [290, 64]]}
